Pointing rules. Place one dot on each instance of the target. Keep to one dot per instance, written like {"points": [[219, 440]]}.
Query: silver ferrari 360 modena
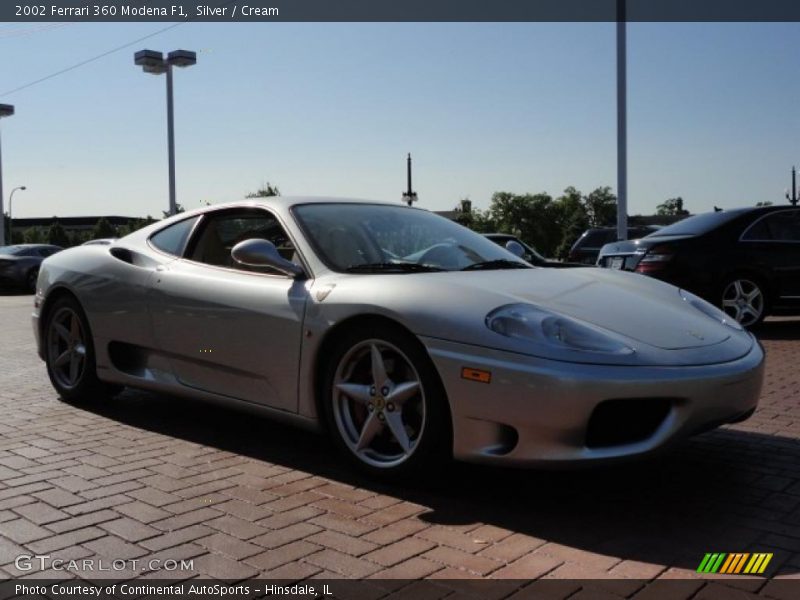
{"points": [[405, 336]]}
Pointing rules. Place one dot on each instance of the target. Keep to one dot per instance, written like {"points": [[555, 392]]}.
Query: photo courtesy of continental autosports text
{"points": [[392, 300], [181, 590]]}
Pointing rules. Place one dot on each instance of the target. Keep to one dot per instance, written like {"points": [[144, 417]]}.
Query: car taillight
{"points": [[655, 259]]}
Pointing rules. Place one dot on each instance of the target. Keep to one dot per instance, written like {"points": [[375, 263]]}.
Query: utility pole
{"points": [[622, 125], [409, 196]]}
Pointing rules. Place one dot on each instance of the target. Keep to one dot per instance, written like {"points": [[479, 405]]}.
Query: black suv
{"points": [[745, 261], [586, 247]]}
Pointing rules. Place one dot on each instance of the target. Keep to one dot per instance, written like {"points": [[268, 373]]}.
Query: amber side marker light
{"points": [[476, 375]]}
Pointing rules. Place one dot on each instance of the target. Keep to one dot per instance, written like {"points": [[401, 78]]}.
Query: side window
{"points": [[45, 252], [785, 226], [759, 231], [220, 232], [172, 240], [782, 226]]}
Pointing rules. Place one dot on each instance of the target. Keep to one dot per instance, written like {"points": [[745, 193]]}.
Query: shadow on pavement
{"points": [[784, 329], [716, 492]]}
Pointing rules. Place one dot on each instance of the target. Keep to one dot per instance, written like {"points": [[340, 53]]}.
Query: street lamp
{"points": [[6, 110], [156, 63], [10, 221]]}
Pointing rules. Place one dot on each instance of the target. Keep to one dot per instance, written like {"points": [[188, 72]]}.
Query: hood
{"points": [[625, 303], [650, 313]]}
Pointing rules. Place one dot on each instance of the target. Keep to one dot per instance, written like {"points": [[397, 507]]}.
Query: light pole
{"points": [[10, 217], [6, 110], [622, 124], [156, 63], [409, 196]]}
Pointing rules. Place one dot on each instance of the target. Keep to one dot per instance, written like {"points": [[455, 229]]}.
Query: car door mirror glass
{"points": [[263, 253]]}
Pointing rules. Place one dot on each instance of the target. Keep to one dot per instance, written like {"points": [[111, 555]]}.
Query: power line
{"points": [[91, 60]]}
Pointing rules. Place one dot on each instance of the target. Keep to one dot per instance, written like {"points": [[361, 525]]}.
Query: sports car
{"points": [[407, 337]]}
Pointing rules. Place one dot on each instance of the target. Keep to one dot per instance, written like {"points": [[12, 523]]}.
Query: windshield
{"points": [[384, 238], [699, 224], [13, 250]]}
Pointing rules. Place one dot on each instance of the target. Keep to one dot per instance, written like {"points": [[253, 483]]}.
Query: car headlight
{"points": [[710, 310], [544, 328]]}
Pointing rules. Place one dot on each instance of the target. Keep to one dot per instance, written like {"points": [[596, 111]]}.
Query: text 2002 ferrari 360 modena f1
{"points": [[406, 336]]}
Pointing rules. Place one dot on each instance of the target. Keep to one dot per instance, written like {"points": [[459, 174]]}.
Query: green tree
{"points": [[764, 203], [78, 237], [35, 235], [672, 207], [265, 191], [134, 225], [473, 218], [103, 229], [57, 235], [178, 210], [601, 207], [577, 223]]}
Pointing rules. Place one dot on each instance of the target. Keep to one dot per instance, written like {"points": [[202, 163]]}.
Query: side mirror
{"points": [[515, 248], [261, 253]]}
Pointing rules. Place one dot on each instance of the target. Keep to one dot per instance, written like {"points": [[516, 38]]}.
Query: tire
{"points": [[31, 278], [69, 354], [384, 405], [744, 298]]}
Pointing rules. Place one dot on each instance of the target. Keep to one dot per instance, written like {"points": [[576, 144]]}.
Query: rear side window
{"points": [[172, 239], [782, 226]]}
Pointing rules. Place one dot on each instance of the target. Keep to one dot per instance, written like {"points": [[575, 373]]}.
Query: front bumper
{"points": [[537, 412]]}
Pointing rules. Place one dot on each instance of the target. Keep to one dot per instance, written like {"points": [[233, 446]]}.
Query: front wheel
{"points": [[743, 299], [384, 404], [69, 353], [31, 278]]}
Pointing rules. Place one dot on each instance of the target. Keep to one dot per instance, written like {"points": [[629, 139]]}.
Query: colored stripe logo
{"points": [[736, 563]]}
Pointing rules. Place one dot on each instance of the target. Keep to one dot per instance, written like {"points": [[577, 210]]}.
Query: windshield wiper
{"points": [[391, 267], [501, 263]]}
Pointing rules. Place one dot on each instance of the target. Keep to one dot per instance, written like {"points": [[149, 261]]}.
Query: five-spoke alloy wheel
{"points": [[69, 353], [385, 406], [744, 300]]}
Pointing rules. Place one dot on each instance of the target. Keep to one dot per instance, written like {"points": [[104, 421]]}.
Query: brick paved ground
{"points": [[149, 476]]}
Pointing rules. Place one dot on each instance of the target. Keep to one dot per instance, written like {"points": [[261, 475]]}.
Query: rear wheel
{"points": [[69, 353], [743, 298], [384, 404]]}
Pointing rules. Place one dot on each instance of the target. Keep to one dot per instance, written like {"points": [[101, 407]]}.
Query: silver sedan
{"points": [[405, 336]]}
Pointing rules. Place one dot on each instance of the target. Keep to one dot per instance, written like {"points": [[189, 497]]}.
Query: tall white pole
{"points": [[622, 126], [2, 214], [173, 207]]}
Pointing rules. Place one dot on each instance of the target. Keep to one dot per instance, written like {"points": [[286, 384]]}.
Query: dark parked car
{"points": [[526, 252], [745, 261], [586, 247], [19, 265]]}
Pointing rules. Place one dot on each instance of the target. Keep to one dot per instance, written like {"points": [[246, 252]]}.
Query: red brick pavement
{"points": [[148, 476]]}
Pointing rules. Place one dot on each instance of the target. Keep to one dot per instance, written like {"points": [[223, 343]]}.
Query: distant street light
{"points": [[6, 110], [793, 197], [156, 63], [10, 218], [409, 196]]}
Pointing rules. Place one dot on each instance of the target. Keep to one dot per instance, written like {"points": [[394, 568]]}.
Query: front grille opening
{"points": [[625, 421]]}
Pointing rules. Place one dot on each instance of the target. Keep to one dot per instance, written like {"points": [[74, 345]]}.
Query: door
{"points": [[773, 242], [229, 329]]}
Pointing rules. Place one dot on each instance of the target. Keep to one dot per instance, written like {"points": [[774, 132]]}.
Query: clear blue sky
{"points": [[332, 109]]}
